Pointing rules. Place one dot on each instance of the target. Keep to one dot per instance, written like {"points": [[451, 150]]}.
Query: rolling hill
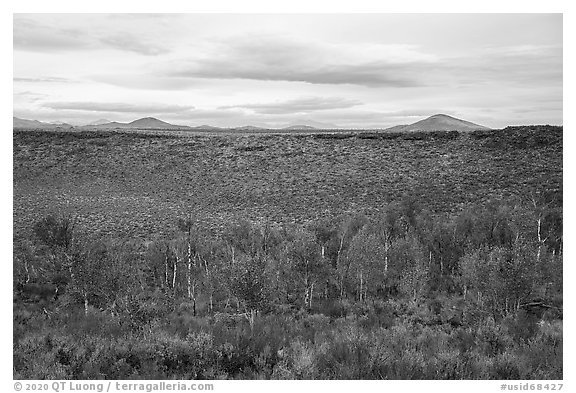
{"points": [[439, 122], [299, 127], [206, 127], [144, 123], [112, 124], [312, 123], [151, 122], [248, 128]]}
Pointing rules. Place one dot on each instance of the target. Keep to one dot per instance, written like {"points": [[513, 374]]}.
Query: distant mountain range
{"points": [[297, 124], [99, 122], [35, 124], [439, 122]]}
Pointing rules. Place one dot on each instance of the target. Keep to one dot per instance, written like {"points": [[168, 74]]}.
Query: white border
{"points": [[294, 6]]}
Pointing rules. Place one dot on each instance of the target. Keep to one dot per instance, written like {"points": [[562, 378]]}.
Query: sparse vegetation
{"points": [[437, 256]]}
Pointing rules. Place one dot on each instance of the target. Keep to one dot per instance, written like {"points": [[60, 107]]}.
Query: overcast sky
{"points": [[375, 70]]}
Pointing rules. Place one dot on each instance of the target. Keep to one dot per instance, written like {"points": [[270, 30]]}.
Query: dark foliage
{"points": [[55, 232]]}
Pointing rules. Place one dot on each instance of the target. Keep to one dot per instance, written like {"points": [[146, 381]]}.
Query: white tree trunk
{"points": [[194, 299], [251, 316], [189, 263], [210, 288], [166, 269], [311, 296], [540, 240], [339, 251], [85, 304], [189, 279], [306, 291], [175, 271], [361, 285], [27, 272]]}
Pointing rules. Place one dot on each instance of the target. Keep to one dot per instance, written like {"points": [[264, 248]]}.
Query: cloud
{"points": [[43, 80], [252, 70], [31, 35], [28, 96], [277, 58], [366, 75], [117, 107], [29, 93], [299, 105], [510, 65], [127, 42], [282, 59], [143, 81], [421, 112]]}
